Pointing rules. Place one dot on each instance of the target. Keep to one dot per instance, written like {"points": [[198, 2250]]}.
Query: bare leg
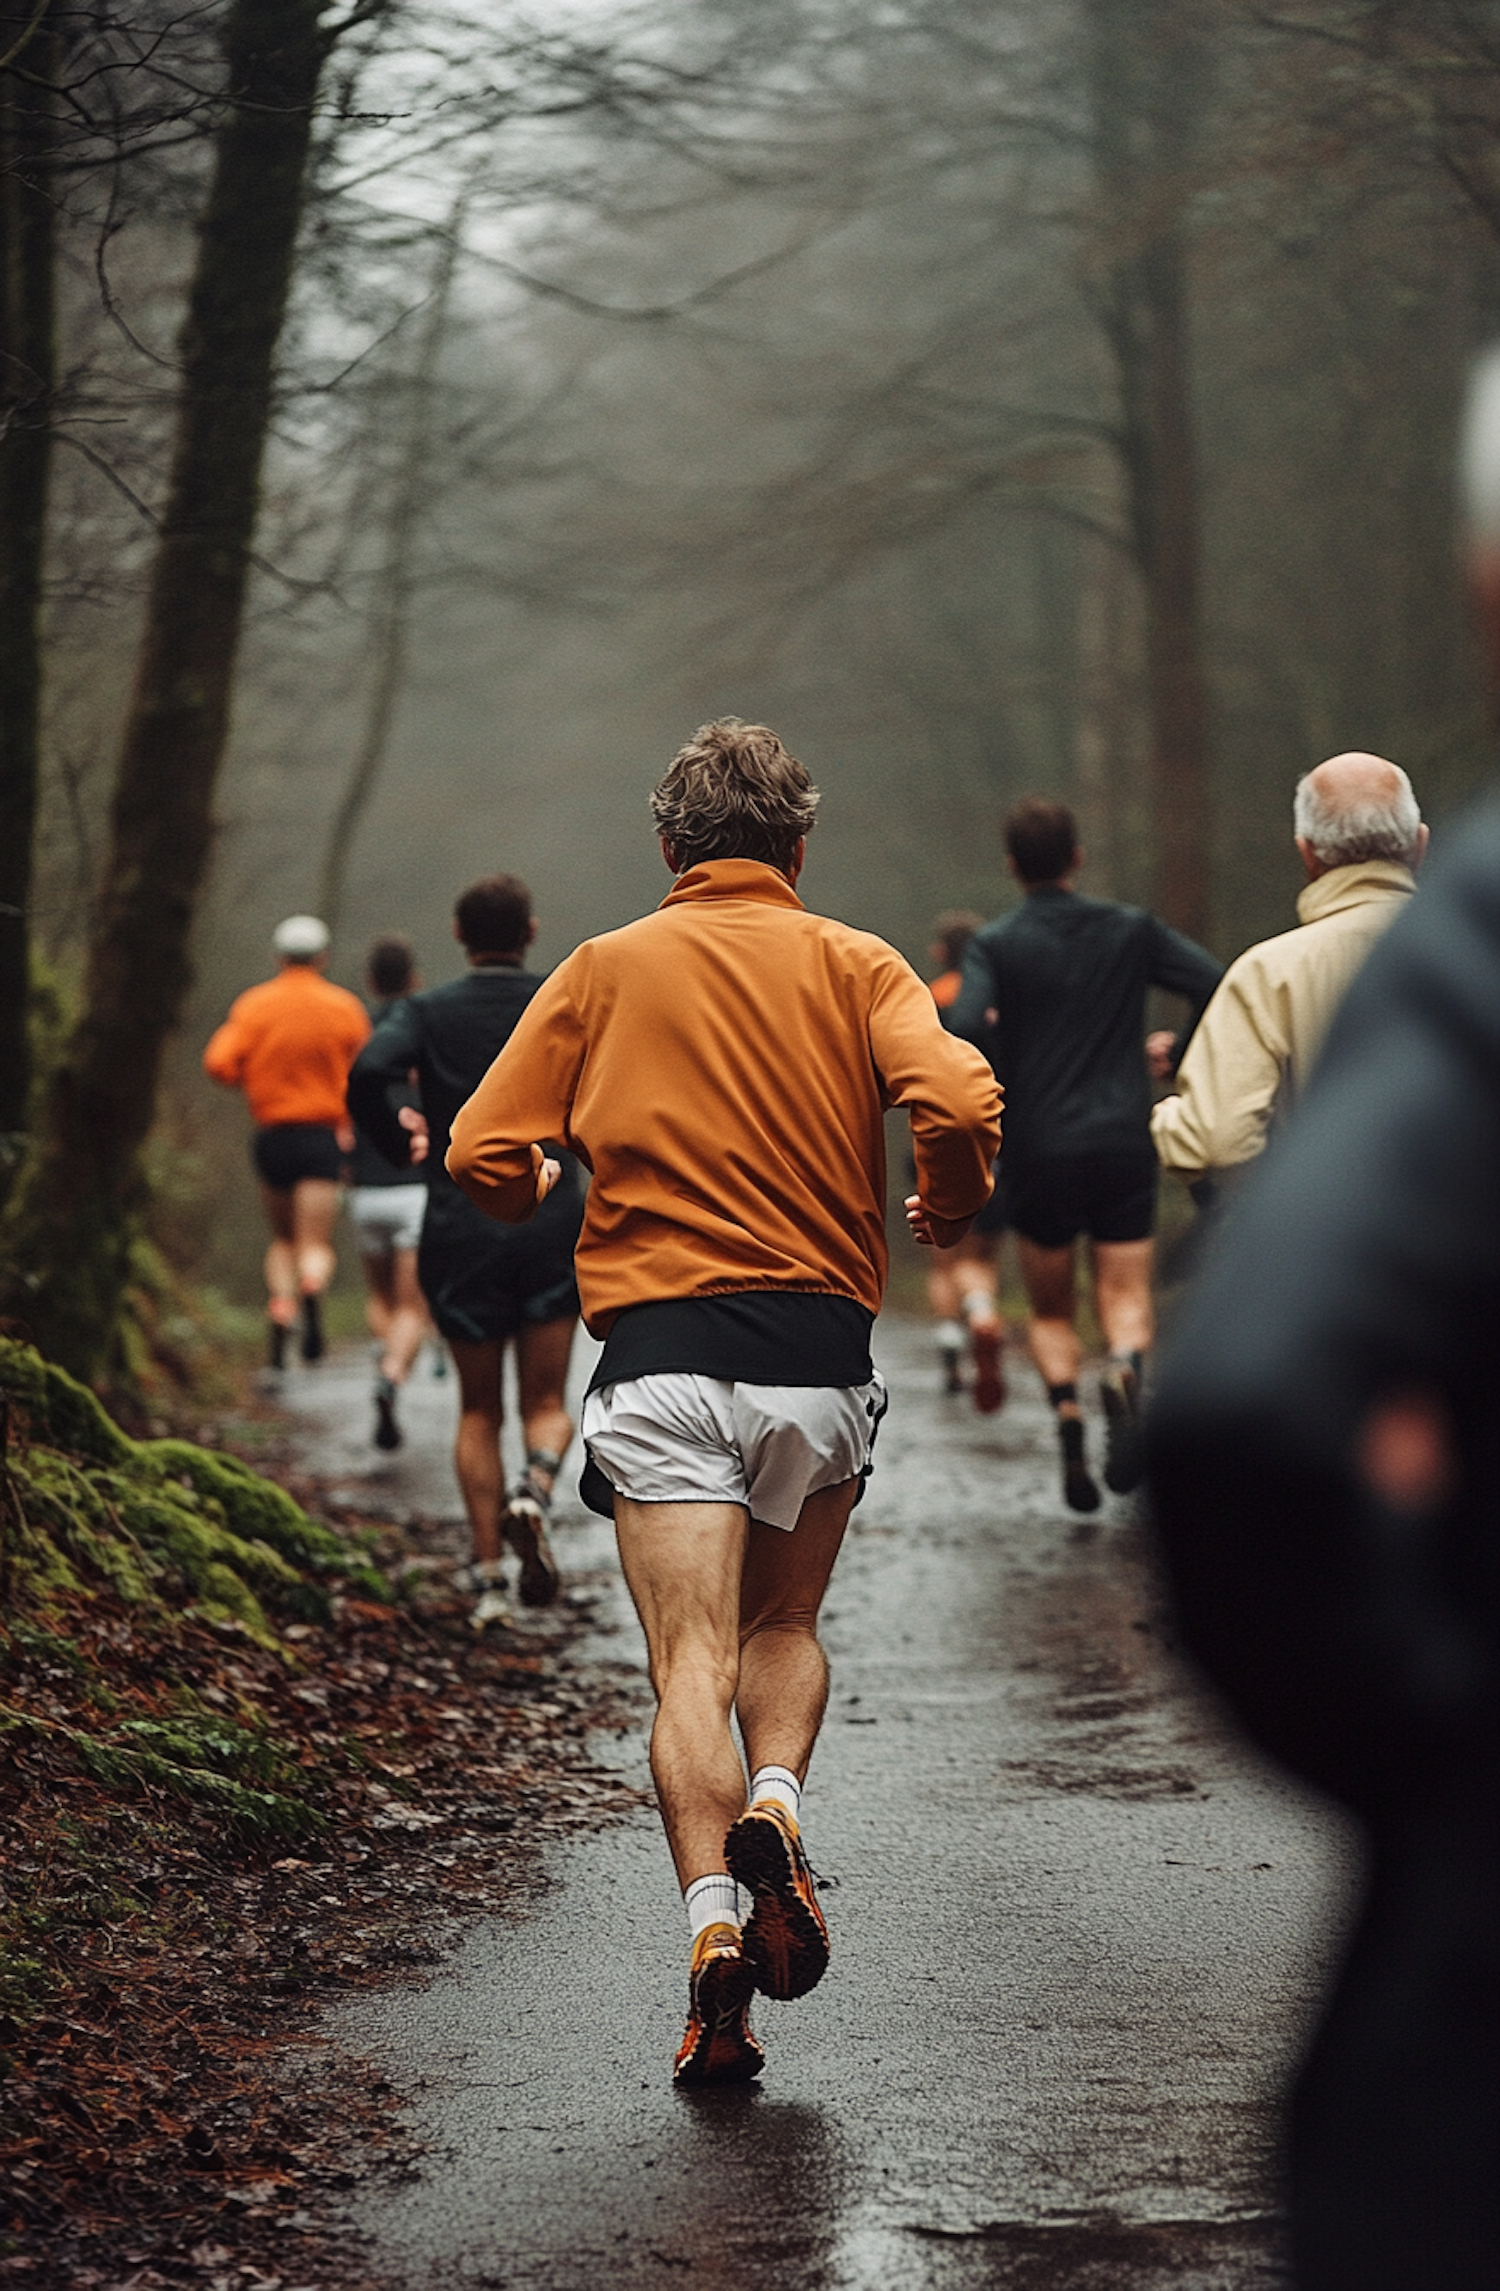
{"points": [[783, 1689], [380, 1296], [1122, 1292], [315, 1206], [683, 1563], [407, 1323], [476, 1454], [1048, 1275], [281, 1256], [974, 1263], [543, 1349]]}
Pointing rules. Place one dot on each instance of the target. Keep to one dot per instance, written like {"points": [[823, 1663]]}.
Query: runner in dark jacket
{"points": [[386, 1206], [486, 1285], [1055, 994]]}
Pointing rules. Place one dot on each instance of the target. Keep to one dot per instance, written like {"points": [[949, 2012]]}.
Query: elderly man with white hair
{"points": [[1361, 839]]}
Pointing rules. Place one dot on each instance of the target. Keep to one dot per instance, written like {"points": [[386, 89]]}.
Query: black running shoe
{"points": [[1124, 1450], [1080, 1489], [313, 1347], [277, 1335], [387, 1430]]}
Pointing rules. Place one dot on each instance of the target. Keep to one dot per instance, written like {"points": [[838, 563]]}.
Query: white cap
{"points": [[300, 936]]}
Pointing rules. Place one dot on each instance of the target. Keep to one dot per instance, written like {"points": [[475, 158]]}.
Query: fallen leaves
{"points": [[170, 2113]]}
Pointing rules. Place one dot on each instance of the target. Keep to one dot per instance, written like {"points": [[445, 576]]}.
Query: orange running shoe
{"points": [[718, 2047], [785, 1938], [987, 1343]]}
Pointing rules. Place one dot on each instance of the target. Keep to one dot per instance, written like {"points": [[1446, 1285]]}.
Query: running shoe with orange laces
{"points": [[785, 1938], [987, 1343], [719, 2047]]}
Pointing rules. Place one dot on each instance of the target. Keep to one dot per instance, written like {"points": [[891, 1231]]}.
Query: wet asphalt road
{"points": [[1077, 1936]]}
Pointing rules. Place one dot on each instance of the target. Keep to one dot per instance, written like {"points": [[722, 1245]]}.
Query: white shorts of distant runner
{"points": [[679, 1438], [387, 1217]]}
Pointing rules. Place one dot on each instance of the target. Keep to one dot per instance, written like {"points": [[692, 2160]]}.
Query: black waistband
{"points": [[758, 1336]]}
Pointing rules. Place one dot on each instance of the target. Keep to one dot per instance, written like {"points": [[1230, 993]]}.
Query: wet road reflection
{"points": [[1076, 1938]]}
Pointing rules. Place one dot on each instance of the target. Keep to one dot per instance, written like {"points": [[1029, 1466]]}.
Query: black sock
{"points": [[1061, 1395]]}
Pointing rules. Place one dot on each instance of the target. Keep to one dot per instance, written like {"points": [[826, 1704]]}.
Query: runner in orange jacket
{"points": [[289, 1044], [723, 1067]]}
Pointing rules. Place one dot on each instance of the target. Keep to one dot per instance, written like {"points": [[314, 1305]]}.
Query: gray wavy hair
{"points": [[734, 792], [1342, 837]]}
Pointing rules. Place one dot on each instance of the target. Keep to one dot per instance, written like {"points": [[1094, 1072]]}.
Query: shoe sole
{"points": [[989, 1383], [784, 1940], [1125, 1452], [526, 1533], [725, 2051]]}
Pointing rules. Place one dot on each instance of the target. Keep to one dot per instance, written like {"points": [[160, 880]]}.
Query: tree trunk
{"points": [[1149, 73], [73, 1221], [393, 593], [27, 375]]}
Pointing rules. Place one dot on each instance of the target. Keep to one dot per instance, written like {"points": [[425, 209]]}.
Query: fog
{"points": [[775, 385]]}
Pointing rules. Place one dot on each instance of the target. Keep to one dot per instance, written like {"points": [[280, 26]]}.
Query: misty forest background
{"points": [[798, 360]]}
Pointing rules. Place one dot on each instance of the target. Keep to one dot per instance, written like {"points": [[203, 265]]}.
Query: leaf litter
{"points": [[214, 1822]]}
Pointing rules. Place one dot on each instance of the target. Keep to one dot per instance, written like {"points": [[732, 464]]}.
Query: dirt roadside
{"points": [[172, 2112]]}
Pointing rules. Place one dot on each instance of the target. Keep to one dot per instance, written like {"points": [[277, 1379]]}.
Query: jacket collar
{"points": [[733, 879], [1356, 886]]}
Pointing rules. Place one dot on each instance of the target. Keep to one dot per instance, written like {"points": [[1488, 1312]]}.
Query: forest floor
{"points": [[172, 2112]]}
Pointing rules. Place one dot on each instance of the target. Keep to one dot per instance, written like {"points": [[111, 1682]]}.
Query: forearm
{"points": [[1191, 1145], [371, 1109]]}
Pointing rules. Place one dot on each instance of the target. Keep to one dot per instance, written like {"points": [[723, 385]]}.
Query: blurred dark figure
{"points": [[386, 1208], [1324, 1458], [963, 1283], [1054, 994]]}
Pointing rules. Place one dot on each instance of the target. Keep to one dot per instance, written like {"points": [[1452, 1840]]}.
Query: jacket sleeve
{"points": [[1180, 966], [1228, 1081], [384, 1063], [224, 1059], [496, 1152], [967, 1015], [947, 1087]]}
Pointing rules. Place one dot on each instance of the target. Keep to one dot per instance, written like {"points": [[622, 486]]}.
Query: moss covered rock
{"points": [[154, 1519]]}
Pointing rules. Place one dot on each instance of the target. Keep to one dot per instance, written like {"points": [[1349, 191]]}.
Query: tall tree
{"points": [[395, 580], [29, 47], [71, 1225], [1148, 76]]}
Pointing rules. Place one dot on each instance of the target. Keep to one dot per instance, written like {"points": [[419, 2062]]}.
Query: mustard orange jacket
{"points": [[289, 1045], [722, 1067]]}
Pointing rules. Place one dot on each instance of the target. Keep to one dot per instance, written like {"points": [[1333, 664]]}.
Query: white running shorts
{"points": [[387, 1217], [680, 1438]]}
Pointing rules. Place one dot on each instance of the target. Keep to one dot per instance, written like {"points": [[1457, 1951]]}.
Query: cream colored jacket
{"points": [[1254, 1046]]}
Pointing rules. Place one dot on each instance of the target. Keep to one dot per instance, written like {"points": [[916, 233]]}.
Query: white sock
{"points": [[712, 1900], [980, 1306], [950, 1337], [778, 1784]]}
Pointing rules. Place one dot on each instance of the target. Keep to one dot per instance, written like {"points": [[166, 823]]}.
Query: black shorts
{"points": [[995, 1215], [288, 1152], [1108, 1196], [483, 1281]]}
